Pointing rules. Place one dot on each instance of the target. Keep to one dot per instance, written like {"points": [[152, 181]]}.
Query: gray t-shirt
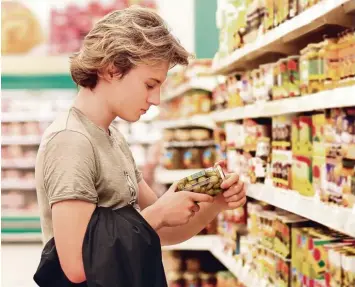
{"points": [[79, 160]]}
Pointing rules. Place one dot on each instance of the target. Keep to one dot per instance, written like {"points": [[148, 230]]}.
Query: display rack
{"points": [[336, 98], [201, 83], [204, 121], [279, 39], [342, 219], [213, 244]]}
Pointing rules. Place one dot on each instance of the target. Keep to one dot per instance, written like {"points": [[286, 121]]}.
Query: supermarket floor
{"points": [[18, 264]]}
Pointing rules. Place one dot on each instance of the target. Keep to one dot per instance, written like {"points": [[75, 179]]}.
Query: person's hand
{"points": [[177, 208], [234, 194]]}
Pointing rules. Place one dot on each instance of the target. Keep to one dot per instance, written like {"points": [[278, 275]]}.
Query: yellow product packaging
{"points": [[283, 225]]}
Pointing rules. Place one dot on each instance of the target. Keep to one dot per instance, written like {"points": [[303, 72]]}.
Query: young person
{"points": [[84, 161]]}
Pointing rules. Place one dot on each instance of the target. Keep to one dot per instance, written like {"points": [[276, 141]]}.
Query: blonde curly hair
{"points": [[124, 39]]}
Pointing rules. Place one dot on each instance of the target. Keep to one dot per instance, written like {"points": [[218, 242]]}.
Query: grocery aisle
{"points": [[275, 101], [18, 264]]}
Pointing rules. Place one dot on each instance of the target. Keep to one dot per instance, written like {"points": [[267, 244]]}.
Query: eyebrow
{"points": [[154, 79]]}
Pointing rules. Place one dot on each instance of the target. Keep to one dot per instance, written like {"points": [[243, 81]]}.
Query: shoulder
{"points": [[66, 131]]}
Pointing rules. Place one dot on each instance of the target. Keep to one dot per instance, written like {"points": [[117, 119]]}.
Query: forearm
{"points": [[151, 215], [178, 234]]}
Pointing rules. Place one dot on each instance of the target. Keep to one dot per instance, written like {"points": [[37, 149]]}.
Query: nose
{"points": [[154, 98]]}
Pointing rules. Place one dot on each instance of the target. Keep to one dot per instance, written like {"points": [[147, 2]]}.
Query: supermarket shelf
{"points": [[337, 218], [165, 176], [17, 164], [35, 65], [278, 39], [26, 117], [201, 83], [21, 140], [213, 243], [21, 237], [340, 97], [185, 144], [199, 242], [17, 185], [204, 121]]}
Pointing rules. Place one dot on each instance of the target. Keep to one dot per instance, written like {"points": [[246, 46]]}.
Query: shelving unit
{"points": [[342, 219], [201, 83], [213, 244], [204, 121], [340, 97], [281, 39]]}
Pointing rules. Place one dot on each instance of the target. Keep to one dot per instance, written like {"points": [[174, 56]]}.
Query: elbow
{"points": [[75, 275]]}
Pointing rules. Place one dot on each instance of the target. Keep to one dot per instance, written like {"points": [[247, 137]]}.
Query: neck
{"points": [[93, 108]]}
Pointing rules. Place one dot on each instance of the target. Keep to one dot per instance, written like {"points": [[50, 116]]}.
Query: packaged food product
{"points": [[193, 265], [182, 134], [168, 135], [191, 279], [348, 182], [208, 280], [293, 82], [348, 267], [281, 168], [334, 192], [200, 134], [206, 181], [319, 176], [208, 157], [269, 16], [172, 159], [233, 86], [267, 81], [331, 66], [175, 279], [192, 158]]}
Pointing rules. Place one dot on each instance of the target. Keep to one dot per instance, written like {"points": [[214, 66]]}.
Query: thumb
{"points": [[200, 197], [173, 187]]}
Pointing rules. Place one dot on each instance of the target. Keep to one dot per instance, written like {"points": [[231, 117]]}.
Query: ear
{"points": [[109, 73]]}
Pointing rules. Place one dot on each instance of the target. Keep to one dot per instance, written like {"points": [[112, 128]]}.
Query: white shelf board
{"points": [[21, 140], [185, 144], [339, 97], [34, 65], [17, 185], [337, 218], [204, 121], [19, 213], [26, 117], [198, 242], [21, 237], [17, 164], [165, 176], [325, 12], [202, 83]]}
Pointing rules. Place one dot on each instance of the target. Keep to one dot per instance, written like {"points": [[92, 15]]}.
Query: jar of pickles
{"points": [[206, 181]]}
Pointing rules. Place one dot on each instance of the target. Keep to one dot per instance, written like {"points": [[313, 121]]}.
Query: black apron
{"points": [[120, 249]]}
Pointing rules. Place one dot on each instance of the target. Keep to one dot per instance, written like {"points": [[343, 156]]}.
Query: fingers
{"points": [[236, 204], [235, 189], [236, 197], [222, 163], [200, 197], [173, 187], [234, 178], [195, 208]]}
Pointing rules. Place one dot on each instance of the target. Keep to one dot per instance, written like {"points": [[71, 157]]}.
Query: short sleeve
{"points": [[69, 169]]}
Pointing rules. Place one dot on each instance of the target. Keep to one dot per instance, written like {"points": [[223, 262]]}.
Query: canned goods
{"points": [[206, 181]]}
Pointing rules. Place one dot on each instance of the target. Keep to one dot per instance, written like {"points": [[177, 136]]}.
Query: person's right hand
{"points": [[177, 208]]}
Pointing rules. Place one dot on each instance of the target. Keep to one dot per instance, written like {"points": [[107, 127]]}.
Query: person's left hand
{"points": [[234, 194]]}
